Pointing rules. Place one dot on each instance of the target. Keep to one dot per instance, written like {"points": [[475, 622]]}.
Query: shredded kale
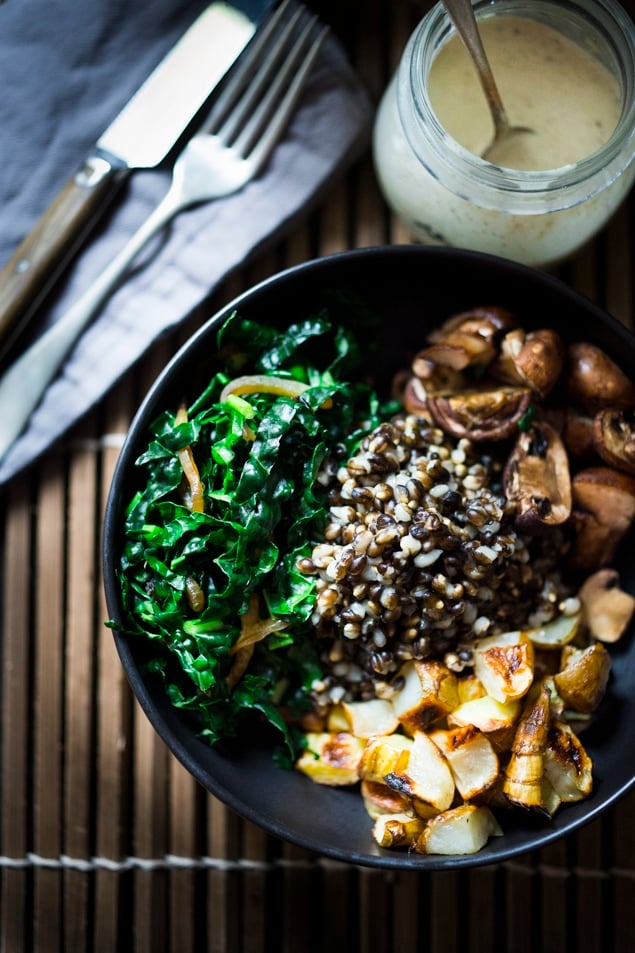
{"points": [[258, 456]]}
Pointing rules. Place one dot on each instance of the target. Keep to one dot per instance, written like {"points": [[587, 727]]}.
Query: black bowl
{"points": [[410, 289]]}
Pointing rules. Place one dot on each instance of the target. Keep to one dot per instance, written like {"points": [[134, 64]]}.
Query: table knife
{"points": [[141, 136]]}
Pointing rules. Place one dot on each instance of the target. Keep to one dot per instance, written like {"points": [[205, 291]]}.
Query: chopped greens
{"points": [[204, 582]]}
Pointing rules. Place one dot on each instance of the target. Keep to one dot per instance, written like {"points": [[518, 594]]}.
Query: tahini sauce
{"points": [[546, 81]]}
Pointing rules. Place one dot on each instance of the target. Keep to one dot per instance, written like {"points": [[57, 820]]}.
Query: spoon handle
{"points": [[462, 15]]}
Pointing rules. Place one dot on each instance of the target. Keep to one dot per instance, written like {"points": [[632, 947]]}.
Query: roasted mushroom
{"points": [[603, 508], [415, 398], [535, 359], [431, 377], [480, 414], [614, 438], [486, 322], [536, 479], [577, 435], [607, 609], [468, 338], [595, 382], [459, 351]]}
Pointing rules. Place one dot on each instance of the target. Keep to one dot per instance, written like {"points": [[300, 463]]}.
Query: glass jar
{"points": [[445, 194]]}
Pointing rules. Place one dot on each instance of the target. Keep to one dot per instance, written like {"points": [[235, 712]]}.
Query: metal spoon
{"points": [[462, 15]]}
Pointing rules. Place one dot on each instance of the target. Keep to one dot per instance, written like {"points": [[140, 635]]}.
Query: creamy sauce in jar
{"points": [[565, 68], [547, 83]]}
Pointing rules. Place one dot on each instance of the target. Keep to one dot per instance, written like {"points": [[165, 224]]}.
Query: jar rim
{"points": [[517, 190]]}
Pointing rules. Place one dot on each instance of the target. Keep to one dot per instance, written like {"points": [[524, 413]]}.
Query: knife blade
{"points": [[141, 136]]}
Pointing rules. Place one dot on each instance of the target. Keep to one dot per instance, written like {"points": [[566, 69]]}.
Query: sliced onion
{"points": [[252, 630], [263, 384], [188, 464], [266, 384]]}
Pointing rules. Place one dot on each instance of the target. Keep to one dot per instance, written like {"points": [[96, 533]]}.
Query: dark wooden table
{"points": [[106, 843]]}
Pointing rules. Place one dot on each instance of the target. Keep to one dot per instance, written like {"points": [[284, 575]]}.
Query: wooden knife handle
{"points": [[39, 259]]}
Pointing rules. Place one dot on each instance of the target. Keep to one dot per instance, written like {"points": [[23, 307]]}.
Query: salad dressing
{"points": [[563, 69], [548, 83]]}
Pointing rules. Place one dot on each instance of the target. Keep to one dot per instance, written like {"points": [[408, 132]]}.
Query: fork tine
{"points": [[271, 116], [241, 76], [260, 82]]}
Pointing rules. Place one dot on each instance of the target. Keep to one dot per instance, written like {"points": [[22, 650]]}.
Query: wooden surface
{"points": [[106, 843]]}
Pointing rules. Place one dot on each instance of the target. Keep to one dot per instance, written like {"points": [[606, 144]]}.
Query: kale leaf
{"points": [[258, 457]]}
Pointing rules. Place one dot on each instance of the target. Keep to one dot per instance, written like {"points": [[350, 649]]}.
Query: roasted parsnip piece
{"points": [[380, 799], [472, 759], [331, 758], [469, 687], [429, 693], [383, 756], [462, 830], [366, 719], [551, 800], [397, 830], [567, 765], [553, 635], [505, 665], [337, 720], [524, 772], [427, 775], [487, 714], [582, 681]]}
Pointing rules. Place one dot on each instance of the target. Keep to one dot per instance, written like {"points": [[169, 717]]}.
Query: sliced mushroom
{"points": [[415, 398], [459, 351], [480, 414], [487, 322], [537, 480], [614, 438], [428, 378], [603, 508], [607, 609], [435, 376], [595, 382], [535, 359], [467, 339]]}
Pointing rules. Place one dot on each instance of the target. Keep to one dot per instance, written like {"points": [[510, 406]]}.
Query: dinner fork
{"points": [[227, 152]]}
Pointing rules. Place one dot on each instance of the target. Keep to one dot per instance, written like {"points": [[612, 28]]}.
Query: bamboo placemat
{"points": [[106, 843]]}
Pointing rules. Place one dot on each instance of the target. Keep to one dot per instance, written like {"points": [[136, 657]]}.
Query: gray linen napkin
{"points": [[204, 244]]}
